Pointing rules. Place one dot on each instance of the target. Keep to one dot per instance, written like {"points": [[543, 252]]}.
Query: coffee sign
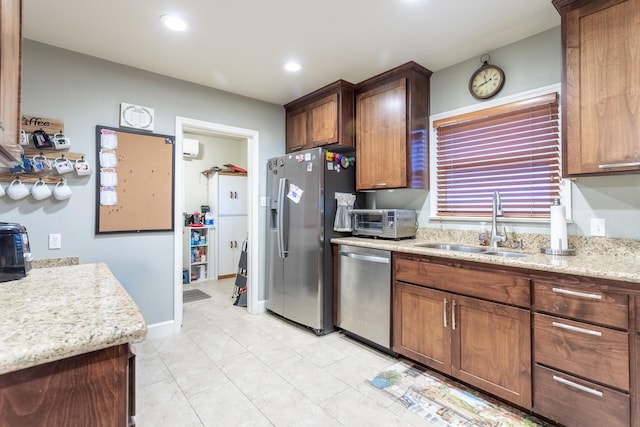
{"points": [[31, 124]]}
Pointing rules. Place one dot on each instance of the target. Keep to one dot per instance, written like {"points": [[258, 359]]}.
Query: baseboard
{"points": [[162, 329], [261, 307]]}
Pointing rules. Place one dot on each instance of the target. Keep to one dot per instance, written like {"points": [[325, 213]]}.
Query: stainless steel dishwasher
{"points": [[364, 294]]}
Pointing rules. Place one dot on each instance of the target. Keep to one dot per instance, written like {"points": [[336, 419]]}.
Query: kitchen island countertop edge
{"points": [[59, 312]]}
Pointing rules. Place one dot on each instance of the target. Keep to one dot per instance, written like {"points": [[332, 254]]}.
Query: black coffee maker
{"points": [[15, 252]]}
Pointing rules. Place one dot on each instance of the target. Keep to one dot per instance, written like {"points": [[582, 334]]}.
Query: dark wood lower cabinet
{"points": [[571, 401], [483, 343], [92, 389]]}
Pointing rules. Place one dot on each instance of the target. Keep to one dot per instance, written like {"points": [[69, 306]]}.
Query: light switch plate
{"points": [[598, 227]]}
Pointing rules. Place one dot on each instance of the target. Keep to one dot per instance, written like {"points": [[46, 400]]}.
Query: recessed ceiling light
{"points": [[174, 23], [292, 66]]}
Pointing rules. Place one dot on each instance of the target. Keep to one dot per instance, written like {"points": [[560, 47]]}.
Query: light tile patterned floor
{"points": [[230, 368]]}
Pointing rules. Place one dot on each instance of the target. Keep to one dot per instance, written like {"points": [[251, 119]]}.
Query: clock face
{"points": [[486, 82]]}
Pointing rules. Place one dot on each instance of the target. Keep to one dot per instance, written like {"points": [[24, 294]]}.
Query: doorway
{"points": [[250, 138]]}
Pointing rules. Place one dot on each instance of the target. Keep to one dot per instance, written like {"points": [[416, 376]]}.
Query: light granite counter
{"points": [[59, 312], [622, 267]]}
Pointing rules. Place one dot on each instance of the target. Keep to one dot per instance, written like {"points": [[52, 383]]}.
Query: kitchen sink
{"points": [[447, 247], [472, 249]]}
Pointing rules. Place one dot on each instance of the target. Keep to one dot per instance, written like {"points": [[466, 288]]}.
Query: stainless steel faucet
{"points": [[496, 211]]}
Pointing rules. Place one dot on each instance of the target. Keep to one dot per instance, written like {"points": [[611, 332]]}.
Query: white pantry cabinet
{"points": [[232, 234], [228, 197]]}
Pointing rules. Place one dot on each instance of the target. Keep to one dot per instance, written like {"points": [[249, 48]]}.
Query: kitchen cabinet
{"points": [[228, 200], [231, 194], [232, 232], [458, 319], [323, 117], [197, 252], [91, 389], [601, 74], [10, 71], [392, 123], [581, 354]]}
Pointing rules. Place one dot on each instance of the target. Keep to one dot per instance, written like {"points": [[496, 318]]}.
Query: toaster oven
{"points": [[385, 223], [15, 252]]}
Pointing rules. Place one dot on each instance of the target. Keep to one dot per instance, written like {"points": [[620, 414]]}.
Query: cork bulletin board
{"points": [[134, 181]]}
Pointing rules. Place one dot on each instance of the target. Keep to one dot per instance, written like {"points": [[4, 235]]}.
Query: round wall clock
{"points": [[486, 81]]}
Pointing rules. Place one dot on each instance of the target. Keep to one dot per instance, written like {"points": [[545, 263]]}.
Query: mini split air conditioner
{"points": [[190, 147]]}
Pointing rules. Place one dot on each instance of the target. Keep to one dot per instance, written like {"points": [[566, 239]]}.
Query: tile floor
{"points": [[231, 368]]}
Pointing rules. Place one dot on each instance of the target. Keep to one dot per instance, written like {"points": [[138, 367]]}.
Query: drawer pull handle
{"points": [[578, 386], [619, 165], [444, 312], [576, 294], [577, 329]]}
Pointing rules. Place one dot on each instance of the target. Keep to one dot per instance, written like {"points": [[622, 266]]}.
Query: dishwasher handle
{"points": [[368, 258]]}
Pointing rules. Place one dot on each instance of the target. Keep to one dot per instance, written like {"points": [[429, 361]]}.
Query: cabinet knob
{"points": [[231, 245]]}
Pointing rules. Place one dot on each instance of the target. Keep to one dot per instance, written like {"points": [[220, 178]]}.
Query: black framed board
{"points": [[134, 182]]}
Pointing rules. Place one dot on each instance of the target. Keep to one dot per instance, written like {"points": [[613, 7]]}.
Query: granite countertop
{"points": [[59, 312], [614, 267]]}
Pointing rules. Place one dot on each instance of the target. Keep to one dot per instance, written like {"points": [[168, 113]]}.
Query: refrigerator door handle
{"points": [[282, 251]]}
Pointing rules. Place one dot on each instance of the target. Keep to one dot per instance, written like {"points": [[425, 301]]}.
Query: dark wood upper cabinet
{"points": [[600, 81], [392, 125], [322, 118]]}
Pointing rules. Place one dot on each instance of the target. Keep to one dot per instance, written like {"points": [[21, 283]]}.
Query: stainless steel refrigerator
{"points": [[301, 202]]}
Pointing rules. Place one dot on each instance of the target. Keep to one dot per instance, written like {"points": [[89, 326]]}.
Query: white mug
{"points": [[40, 190], [63, 165], [41, 164], [60, 141], [62, 191], [82, 167], [17, 190], [24, 140]]}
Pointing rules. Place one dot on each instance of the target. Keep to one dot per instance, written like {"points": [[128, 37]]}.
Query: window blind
{"points": [[513, 148]]}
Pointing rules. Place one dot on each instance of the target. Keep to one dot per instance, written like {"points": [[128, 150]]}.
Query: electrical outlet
{"points": [[598, 227], [263, 200], [55, 241]]}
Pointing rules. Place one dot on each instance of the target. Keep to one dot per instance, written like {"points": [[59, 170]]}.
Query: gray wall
{"points": [[528, 64], [84, 92]]}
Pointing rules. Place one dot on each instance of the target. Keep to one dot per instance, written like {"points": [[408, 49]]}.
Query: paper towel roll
{"points": [[558, 228]]}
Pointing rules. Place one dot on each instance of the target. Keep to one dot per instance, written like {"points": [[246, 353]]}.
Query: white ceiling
{"points": [[240, 45]]}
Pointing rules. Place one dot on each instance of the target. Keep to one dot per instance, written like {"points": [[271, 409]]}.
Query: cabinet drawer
{"points": [[593, 352], [582, 303], [473, 281], [572, 402]]}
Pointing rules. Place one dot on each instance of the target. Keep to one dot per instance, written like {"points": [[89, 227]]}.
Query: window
{"points": [[512, 148]]}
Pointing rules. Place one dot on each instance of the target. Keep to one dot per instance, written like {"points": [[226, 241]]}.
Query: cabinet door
{"points": [[296, 130], [323, 121], [225, 250], [602, 56], [232, 195], [421, 325], [492, 348], [232, 232], [10, 42], [381, 136]]}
